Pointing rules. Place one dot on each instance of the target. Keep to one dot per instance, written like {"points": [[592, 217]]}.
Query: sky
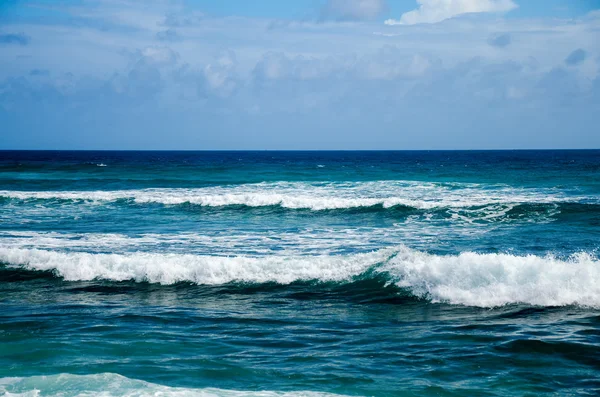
{"points": [[299, 74]]}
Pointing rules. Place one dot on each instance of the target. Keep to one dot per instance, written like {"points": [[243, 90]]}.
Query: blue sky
{"points": [[299, 74]]}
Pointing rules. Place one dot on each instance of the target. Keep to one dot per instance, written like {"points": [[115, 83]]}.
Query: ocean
{"points": [[391, 273]]}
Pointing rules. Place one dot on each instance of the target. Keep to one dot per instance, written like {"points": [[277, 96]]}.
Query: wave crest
{"points": [[472, 279]]}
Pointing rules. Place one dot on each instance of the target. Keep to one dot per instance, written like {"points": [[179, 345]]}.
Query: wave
{"points": [[471, 279], [109, 385], [320, 196]]}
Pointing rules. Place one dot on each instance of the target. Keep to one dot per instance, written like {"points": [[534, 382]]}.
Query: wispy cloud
{"points": [[432, 11]]}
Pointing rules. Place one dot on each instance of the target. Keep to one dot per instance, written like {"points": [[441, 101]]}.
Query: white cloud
{"points": [[353, 10], [432, 11], [159, 55], [219, 75]]}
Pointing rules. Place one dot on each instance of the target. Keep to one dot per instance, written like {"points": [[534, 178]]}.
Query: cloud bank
{"points": [[116, 80]]}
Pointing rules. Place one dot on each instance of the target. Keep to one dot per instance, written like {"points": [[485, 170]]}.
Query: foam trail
{"points": [[319, 196], [113, 385], [306, 241], [472, 279]]}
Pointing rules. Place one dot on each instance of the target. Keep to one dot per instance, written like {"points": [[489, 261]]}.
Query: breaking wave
{"points": [[472, 279]]}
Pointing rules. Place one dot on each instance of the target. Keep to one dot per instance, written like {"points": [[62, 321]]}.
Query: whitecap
{"points": [[322, 196], [472, 279]]}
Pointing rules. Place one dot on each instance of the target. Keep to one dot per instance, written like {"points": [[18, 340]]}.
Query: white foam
{"points": [[209, 270], [484, 280], [489, 280], [256, 242], [113, 385], [320, 196]]}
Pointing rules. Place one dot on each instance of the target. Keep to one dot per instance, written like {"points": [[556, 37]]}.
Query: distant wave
{"points": [[113, 385], [472, 279], [320, 196]]}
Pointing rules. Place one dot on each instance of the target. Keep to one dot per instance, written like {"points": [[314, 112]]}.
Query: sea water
{"points": [[470, 273]]}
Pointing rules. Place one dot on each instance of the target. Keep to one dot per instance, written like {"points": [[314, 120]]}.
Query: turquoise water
{"points": [[300, 273]]}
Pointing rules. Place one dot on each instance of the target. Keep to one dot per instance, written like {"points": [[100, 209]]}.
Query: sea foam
{"points": [[472, 279], [113, 385]]}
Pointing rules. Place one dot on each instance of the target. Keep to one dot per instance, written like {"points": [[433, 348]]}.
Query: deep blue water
{"points": [[300, 273]]}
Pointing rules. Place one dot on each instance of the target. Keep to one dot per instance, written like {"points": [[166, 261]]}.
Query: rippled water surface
{"points": [[300, 273]]}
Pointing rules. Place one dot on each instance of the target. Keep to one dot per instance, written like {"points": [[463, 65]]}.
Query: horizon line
{"points": [[300, 150]]}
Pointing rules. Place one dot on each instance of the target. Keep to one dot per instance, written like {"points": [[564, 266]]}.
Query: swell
{"points": [[471, 279], [365, 289], [583, 353]]}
